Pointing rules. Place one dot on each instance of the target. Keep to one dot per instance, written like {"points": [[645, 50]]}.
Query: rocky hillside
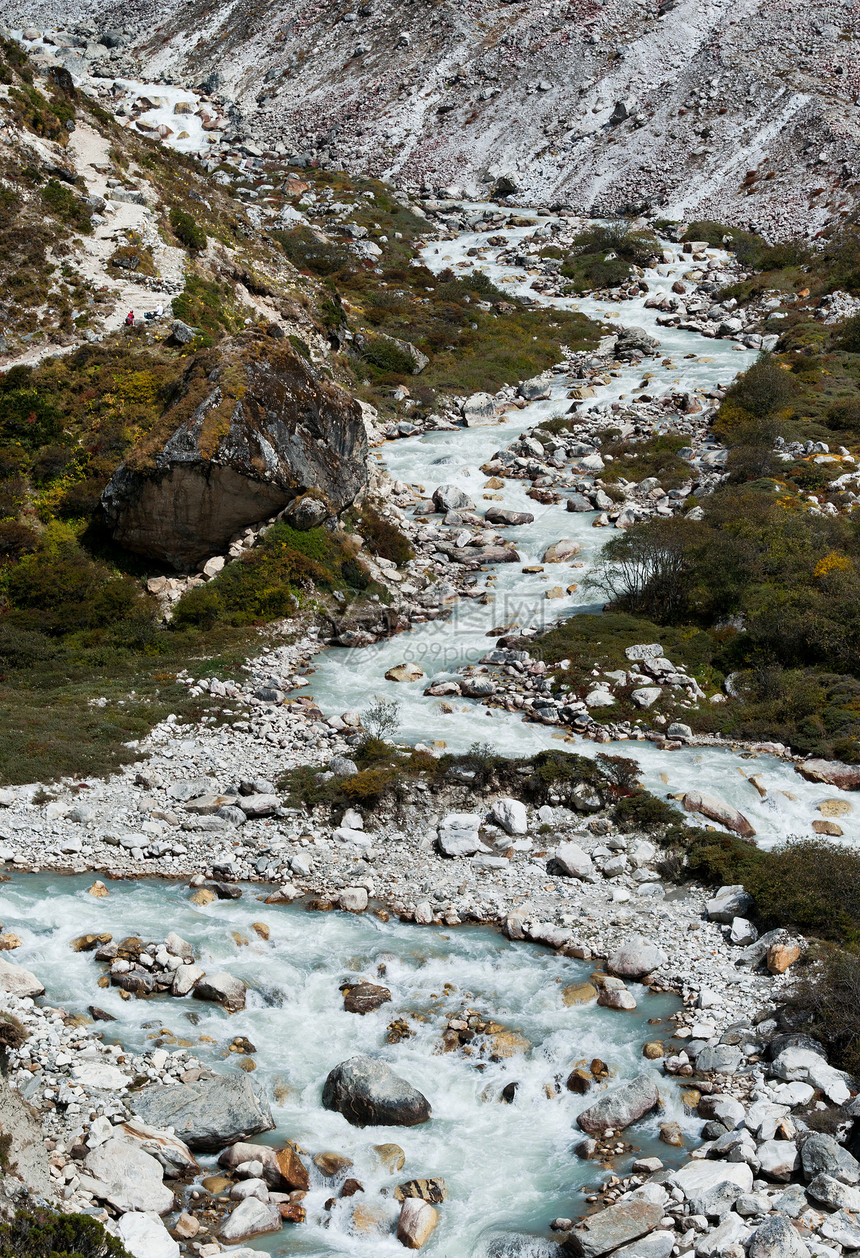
{"points": [[739, 110]]}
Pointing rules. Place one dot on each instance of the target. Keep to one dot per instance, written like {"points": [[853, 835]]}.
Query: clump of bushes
{"points": [[604, 256], [386, 358], [61, 590], [828, 1002], [268, 581], [43, 1233], [206, 304], [383, 536], [308, 253], [188, 231], [809, 884], [59, 199], [759, 394]]}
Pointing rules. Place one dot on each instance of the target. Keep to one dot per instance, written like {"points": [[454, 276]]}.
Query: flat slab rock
{"points": [[208, 1114], [605, 1231], [698, 1177]]}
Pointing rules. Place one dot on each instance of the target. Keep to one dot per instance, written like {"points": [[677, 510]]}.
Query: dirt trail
{"points": [[88, 151]]}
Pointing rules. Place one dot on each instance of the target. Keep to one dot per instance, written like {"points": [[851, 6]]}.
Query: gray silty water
{"points": [[509, 1168]]}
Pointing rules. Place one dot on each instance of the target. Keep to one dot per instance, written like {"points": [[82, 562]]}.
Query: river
{"points": [[509, 1168], [347, 679]]}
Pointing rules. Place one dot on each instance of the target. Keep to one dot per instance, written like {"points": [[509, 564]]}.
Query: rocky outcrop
{"points": [[369, 1094], [253, 428], [208, 1114]]}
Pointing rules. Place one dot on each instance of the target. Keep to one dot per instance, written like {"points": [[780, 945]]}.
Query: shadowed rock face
{"points": [[253, 427]]}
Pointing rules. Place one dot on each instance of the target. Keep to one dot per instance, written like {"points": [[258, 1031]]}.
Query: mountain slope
{"points": [[740, 110]]}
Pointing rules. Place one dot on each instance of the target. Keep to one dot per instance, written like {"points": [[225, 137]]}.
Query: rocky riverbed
{"points": [[500, 980], [128, 1076]]}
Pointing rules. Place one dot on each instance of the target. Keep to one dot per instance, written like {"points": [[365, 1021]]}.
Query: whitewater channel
{"points": [[509, 1168], [347, 679]]}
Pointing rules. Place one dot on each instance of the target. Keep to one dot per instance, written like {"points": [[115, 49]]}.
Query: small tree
{"points": [[621, 771], [187, 231], [382, 719], [649, 570]]}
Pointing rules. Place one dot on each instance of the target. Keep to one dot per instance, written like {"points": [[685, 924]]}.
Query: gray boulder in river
{"points": [[208, 1114], [369, 1094], [608, 1229], [620, 1107]]}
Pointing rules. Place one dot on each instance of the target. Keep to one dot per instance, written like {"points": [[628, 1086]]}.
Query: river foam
{"points": [[510, 1168]]}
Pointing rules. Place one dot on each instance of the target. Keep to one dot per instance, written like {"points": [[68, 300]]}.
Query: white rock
{"points": [[698, 1177], [778, 1159], [728, 903], [599, 698], [131, 1179], [251, 1217], [250, 1188], [145, 1236], [185, 977], [417, 1220], [573, 861], [353, 899], [16, 981], [355, 838], [511, 815], [645, 696], [732, 1231], [800, 1064], [98, 1074], [742, 932]]}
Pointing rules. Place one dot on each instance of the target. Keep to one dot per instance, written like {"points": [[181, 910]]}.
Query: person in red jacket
{"points": [[129, 319]]}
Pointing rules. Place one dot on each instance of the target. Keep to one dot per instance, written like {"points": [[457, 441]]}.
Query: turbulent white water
{"points": [[348, 679], [509, 1169]]}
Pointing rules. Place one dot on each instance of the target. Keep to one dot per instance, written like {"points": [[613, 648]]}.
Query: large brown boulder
{"points": [[254, 426], [831, 773]]}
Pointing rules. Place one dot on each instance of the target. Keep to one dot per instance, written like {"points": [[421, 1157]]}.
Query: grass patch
{"points": [[49, 726], [270, 581]]}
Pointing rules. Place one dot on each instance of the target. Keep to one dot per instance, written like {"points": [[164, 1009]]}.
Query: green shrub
{"points": [[384, 537], [844, 414], [264, 584], [43, 1233], [643, 811], [812, 885], [849, 336], [61, 201], [16, 539], [188, 231], [61, 590], [761, 392], [828, 1001], [388, 359], [28, 415], [307, 252]]}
